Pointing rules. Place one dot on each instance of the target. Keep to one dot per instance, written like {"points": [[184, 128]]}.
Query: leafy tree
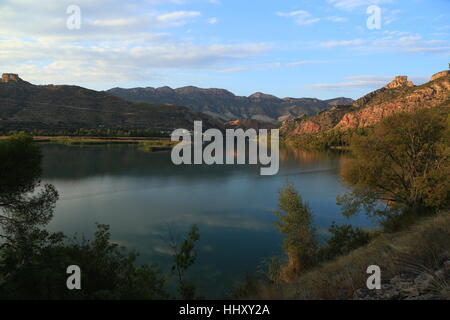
{"points": [[343, 240], [299, 234], [184, 256], [33, 261], [108, 272], [403, 164], [25, 204]]}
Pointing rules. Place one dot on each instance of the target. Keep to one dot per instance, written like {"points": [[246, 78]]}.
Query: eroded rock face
{"points": [[323, 121], [398, 96], [427, 96], [440, 75], [24, 106], [307, 128], [10, 77], [225, 105], [399, 81]]}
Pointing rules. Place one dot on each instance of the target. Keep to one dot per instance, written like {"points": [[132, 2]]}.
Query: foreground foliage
{"points": [[402, 167], [295, 223], [33, 261]]}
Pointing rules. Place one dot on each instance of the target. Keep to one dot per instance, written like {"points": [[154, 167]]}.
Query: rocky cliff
{"points": [[399, 81], [12, 78], [398, 96]]}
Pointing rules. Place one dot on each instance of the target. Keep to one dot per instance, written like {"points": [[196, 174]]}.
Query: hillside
{"points": [[227, 106], [415, 264], [24, 106], [398, 96]]}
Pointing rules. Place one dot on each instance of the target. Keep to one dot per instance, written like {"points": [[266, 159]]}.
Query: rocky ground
{"points": [[427, 285]]}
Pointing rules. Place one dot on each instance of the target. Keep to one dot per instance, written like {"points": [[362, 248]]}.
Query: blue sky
{"points": [[320, 48]]}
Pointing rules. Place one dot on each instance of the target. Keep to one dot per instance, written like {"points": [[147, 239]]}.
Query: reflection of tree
{"points": [[306, 157]]}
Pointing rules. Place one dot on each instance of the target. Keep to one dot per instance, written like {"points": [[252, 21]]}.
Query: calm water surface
{"points": [[139, 194]]}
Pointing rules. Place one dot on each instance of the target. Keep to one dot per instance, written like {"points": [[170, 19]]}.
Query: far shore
{"points": [[148, 144], [94, 139]]}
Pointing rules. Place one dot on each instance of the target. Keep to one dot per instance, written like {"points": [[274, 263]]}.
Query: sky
{"points": [[309, 48]]}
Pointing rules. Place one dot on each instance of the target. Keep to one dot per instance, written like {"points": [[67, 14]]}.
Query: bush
{"points": [[344, 239]]}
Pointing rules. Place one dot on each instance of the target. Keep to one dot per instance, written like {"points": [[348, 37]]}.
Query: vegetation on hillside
{"points": [[82, 132], [332, 139], [401, 169], [399, 174]]}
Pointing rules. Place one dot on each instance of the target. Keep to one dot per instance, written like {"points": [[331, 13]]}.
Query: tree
{"points": [[343, 240], [33, 261], [299, 234], [25, 204], [184, 256], [107, 270], [403, 164]]}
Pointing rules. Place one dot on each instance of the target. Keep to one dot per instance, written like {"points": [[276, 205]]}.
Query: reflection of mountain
{"points": [[73, 163]]}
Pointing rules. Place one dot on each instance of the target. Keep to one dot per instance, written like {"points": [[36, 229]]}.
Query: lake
{"points": [[142, 195]]}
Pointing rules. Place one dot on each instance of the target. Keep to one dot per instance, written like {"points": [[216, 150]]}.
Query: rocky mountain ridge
{"points": [[225, 105], [398, 96], [24, 106]]}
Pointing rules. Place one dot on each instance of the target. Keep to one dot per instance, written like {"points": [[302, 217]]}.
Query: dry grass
{"points": [[421, 248]]}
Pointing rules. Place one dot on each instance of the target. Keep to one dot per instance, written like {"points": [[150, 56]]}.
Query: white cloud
{"points": [[274, 65], [392, 41], [336, 19], [303, 17], [178, 16], [363, 81], [235, 69], [341, 43], [212, 21], [354, 4], [300, 17], [117, 42]]}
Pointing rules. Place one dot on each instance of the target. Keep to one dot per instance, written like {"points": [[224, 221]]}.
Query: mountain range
{"points": [[61, 108], [225, 105], [24, 106]]}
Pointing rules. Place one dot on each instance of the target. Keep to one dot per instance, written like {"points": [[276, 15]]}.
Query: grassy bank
{"points": [[418, 249], [144, 143]]}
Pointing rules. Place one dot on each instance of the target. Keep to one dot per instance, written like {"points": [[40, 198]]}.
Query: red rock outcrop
{"points": [[398, 96], [9, 77], [440, 75], [426, 96], [308, 127], [399, 81]]}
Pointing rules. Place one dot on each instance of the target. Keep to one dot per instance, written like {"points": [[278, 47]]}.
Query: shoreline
{"points": [[146, 144]]}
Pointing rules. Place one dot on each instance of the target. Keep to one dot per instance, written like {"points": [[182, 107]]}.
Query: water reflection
{"points": [[140, 193]]}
